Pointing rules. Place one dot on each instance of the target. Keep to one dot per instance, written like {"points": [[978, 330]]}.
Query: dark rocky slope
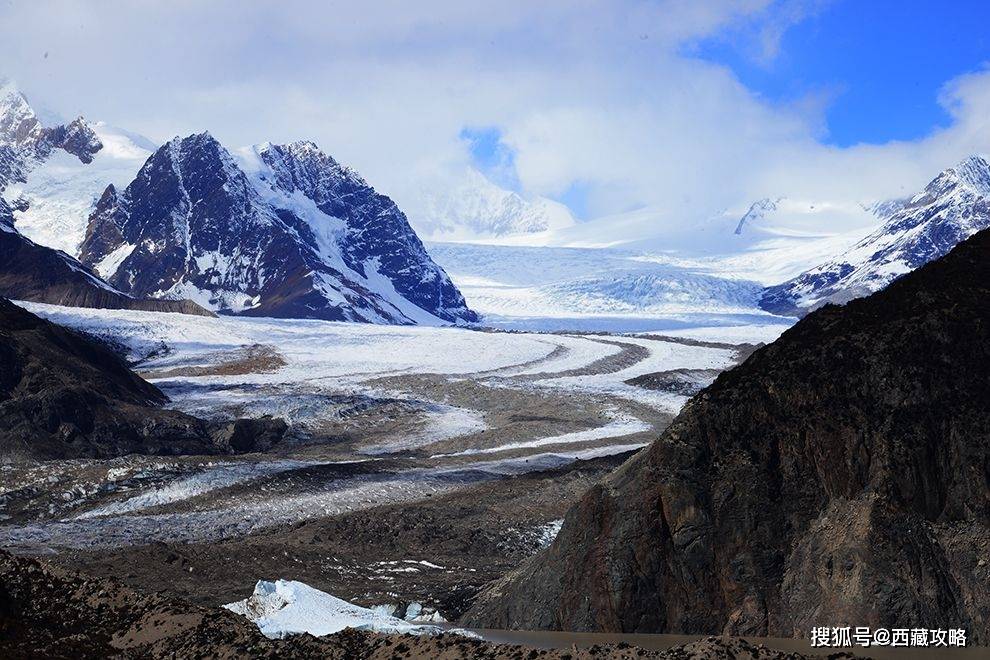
{"points": [[840, 476], [36, 273], [48, 613], [63, 395]]}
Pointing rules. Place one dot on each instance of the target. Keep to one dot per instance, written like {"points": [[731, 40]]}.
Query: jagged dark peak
{"points": [[971, 174], [205, 139], [22, 131], [197, 144], [199, 164], [303, 161], [77, 138], [235, 231]]}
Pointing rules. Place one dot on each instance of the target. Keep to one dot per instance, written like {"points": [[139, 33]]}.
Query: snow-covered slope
{"points": [[279, 230], [768, 241], [954, 206], [52, 177], [478, 210], [60, 192], [48, 176], [284, 608]]}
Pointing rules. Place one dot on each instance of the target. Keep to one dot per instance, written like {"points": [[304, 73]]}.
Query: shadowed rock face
{"points": [[33, 272], [63, 395], [840, 476]]}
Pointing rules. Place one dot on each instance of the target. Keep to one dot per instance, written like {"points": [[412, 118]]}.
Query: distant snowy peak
{"points": [[51, 177], [477, 209], [953, 207], [278, 230], [22, 131], [802, 218], [19, 125], [971, 175], [758, 210]]}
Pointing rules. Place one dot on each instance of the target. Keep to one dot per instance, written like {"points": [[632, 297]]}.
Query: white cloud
{"points": [[598, 92]]}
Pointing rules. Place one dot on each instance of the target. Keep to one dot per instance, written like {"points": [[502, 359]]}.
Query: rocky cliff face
{"points": [[954, 206], [279, 231], [64, 396], [840, 476]]}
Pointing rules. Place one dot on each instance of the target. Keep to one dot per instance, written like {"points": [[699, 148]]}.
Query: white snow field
{"points": [[436, 404], [284, 608], [338, 354]]}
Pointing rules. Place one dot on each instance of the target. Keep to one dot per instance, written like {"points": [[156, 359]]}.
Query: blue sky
{"points": [[878, 64]]}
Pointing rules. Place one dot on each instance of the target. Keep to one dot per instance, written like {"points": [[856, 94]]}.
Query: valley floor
{"points": [[421, 462]]}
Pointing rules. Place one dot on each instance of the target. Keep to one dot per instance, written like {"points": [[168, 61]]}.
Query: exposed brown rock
{"points": [[840, 476]]}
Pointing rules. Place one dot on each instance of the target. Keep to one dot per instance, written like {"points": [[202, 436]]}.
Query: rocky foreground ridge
{"points": [[46, 612], [840, 476], [63, 395]]}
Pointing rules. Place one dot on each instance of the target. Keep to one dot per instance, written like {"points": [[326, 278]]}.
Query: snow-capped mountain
{"points": [[22, 133], [477, 209], [52, 177], [759, 210], [60, 192], [954, 206], [19, 126], [278, 230], [41, 194]]}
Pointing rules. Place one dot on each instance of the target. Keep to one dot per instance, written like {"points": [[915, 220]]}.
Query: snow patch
{"points": [[109, 264]]}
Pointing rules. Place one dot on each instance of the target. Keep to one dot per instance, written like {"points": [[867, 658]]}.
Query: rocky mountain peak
{"points": [[952, 207], [23, 132], [974, 172], [971, 176], [77, 138], [19, 126], [303, 166], [279, 230]]}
